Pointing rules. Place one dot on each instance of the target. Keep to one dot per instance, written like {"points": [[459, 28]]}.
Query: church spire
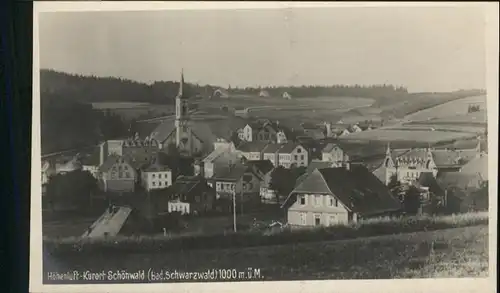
{"points": [[181, 85]]}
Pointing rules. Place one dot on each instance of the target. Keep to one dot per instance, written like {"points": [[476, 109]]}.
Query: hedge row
{"points": [[365, 228]]}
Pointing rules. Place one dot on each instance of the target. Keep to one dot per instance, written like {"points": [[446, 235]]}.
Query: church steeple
{"points": [[180, 94]]}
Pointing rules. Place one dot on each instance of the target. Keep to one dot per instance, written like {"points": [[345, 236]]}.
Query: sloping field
{"points": [[449, 109], [425, 136], [458, 252]]}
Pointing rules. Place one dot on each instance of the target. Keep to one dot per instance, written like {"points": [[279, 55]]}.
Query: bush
{"points": [[363, 228]]}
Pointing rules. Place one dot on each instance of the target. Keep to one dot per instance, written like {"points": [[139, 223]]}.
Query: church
{"points": [[180, 133]]}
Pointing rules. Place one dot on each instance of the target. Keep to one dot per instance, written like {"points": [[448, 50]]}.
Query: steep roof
{"points": [[445, 158], [92, 158], [272, 148], [189, 186], [330, 147], [155, 166], [478, 165], [229, 172], [460, 180], [263, 166], [288, 147], [357, 189], [252, 146], [111, 160]]}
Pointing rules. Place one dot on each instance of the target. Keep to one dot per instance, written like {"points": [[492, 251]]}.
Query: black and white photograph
{"points": [[258, 144]]}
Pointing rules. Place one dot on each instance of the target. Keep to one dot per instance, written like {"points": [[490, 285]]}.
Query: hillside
{"points": [[110, 89]]}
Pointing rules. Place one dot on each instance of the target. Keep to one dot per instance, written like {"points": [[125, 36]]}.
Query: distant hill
{"points": [[90, 89]]}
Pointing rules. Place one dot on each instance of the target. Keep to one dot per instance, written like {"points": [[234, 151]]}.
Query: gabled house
{"points": [[264, 168], [334, 196], [270, 152], [266, 131], [333, 153], [236, 179], [156, 176], [118, 174], [217, 157], [252, 150], [355, 128], [191, 195], [292, 154]]}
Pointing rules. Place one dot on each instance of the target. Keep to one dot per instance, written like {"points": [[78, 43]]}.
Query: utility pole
{"points": [[234, 210]]}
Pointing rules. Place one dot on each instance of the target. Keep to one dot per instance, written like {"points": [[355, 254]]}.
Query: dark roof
{"points": [[155, 166], [329, 147], [252, 146], [427, 179], [92, 158], [288, 147], [272, 148], [459, 180], [230, 172], [189, 186], [263, 166], [111, 160], [357, 189]]}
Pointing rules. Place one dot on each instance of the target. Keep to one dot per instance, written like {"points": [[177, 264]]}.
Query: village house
{"points": [[218, 157], [236, 179], [156, 176], [264, 94], [265, 169], [333, 196], [264, 130], [287, 96], [141, 151], [191, 195], [252, 150], [333, 153], [270, 152], [118, 174], [292, 154]]}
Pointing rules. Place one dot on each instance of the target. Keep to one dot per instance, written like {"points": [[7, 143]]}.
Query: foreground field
{"points": [[458, 252]]}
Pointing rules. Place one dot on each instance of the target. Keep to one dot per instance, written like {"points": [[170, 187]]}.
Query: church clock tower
{"points": [[183, 135]]}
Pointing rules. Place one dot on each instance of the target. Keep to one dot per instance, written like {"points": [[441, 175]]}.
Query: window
{"points": [[159, 183], [299, 150], [331, 201], [333, 220], [159, 175], [127, 175], [303, 219], [166, 182], [153, 175], [126, 168], [302, 157], [296, 157], [303, 200], [154, 183], [317, 199], [317, 220]]}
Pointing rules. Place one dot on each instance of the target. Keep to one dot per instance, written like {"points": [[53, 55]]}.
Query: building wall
{"points": [[94, 170], [336, 155], [119, 185], [299, 156], [247, 133], [252, 156], [156, 180], [273, 157], [329, 212], [178, 206]]}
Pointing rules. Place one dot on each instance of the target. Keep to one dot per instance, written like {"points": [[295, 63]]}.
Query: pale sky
{"points": [[425, 49]]}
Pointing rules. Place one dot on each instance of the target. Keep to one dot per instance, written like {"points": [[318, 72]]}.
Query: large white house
{"points": [[292, 154], [156, 176]]}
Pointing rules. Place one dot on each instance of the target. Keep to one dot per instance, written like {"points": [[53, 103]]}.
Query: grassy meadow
{"points": [[455, 252]]}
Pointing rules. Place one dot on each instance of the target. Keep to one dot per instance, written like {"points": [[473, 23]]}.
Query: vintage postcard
{"points": [[226, 146]]}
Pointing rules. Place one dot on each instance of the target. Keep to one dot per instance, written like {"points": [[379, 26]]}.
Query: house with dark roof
{"points": [[270, 152], [252, 150], [118, 174], [238, 180], [333, 196], [265, 169], [156, 176], [292, 154], [191, 195]]}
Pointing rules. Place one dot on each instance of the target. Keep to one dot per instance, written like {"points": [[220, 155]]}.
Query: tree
{"points": [[73, 189], [411, 203], [283, 180]]}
